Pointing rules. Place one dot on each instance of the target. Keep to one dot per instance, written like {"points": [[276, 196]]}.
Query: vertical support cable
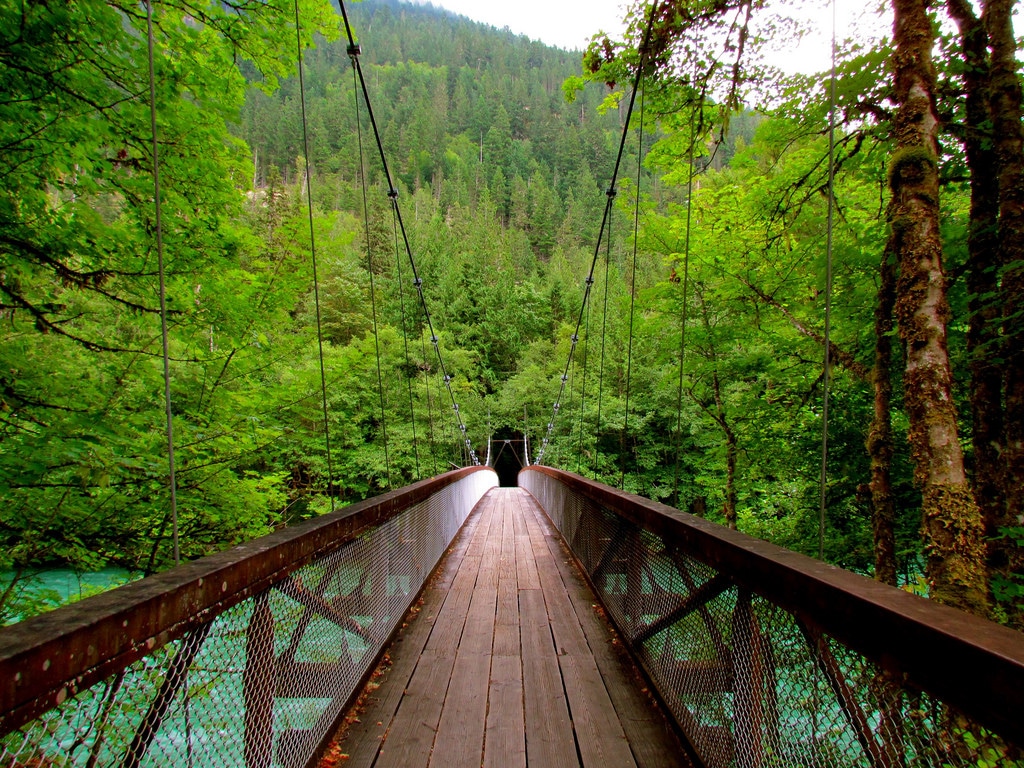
{"points": [[158, 205], [353, 51], [583, 386], [526, 438], [572, 388], [686, 299], [632, 282], [312, 249], [601, 231], [828, 293], [604, 328], [430, 407], [405, 333]]}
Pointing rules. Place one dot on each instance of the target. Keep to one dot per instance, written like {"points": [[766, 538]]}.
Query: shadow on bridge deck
{"points": [[508, 663]]}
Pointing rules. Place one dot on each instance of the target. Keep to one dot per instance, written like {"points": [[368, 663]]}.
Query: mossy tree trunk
{"points": [[1005, 556], [952, 525]]}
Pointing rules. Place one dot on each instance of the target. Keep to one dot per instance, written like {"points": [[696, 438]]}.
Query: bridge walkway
{"points": [[507, 662]]}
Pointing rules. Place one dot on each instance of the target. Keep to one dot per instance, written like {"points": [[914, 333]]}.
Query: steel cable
{"points": [[604, 331], [604, 223], [632, 287], [312, 250], [695, 128], [354, 52], [369, 269], [158, 225]]}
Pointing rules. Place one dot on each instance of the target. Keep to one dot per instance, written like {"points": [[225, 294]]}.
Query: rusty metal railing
{"points": [[245, 658], [768, 658]]}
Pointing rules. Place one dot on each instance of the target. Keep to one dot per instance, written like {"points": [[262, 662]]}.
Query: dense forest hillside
{"points": [[499, 178], [502, 155]]}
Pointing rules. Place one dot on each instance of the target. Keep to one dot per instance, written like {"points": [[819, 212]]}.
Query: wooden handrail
{"points": [[46, 659], [973, 664]]}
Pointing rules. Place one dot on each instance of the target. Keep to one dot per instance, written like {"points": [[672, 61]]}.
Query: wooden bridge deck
{"points": [[507, 663]]}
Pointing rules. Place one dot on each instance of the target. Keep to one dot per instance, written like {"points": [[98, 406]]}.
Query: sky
{"points": [[563, 23], [570, 23]]}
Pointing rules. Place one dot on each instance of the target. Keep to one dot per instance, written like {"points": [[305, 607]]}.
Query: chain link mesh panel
{"points": [[262, 684], [748, 682]]}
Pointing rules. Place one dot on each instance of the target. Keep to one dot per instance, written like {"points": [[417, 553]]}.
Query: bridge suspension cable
{"points": [[354, 52], [686, 296], [632, 288], [369, 269], [605, 221], [312, 250], [583, 386], [158, 226], [604, 333], [430, 408], [526, 439], [827, 363]]}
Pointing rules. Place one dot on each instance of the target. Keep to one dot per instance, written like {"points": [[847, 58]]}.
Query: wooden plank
{"points": [[505, 734], [414, 727], [412, 732], [445, 574], [518, 522], [364, 735], [488, 575], [506, 634], [476, 546], [451, 619], [653, 742], [599, 733], [478, 635], [460, 732], [526, 569], [506, 619], [549, 735], [507, 561]]}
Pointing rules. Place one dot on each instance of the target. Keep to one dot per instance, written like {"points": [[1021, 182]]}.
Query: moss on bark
{"points": [[954, 547], [952, 526]]}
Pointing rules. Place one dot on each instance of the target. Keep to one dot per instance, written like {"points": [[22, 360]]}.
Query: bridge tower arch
{"points": [[508, 456]]}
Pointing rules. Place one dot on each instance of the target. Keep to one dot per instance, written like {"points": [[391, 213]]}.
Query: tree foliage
{"points": [[933, 125], [501, 182]]}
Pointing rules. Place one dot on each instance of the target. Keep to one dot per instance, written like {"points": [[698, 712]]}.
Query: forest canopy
{"points": [[719, 229]]}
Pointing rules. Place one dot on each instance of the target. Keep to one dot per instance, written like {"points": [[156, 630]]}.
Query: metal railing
{"points": [[244, 658], [766, 657]]}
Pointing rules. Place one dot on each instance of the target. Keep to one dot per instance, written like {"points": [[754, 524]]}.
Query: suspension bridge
{"points": [[568, 623], [539, 619]]}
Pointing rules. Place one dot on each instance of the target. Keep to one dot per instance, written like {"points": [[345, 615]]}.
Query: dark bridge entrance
{"points": [[507, 457]]}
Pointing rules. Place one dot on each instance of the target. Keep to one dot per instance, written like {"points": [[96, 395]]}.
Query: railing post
{"points": [[894, 701], [636, 561], [845, 695], [748, 660], [176, 674], [258, 682]]}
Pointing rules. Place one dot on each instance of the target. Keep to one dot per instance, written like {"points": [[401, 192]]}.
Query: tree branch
{"points": [[844, 358]]}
